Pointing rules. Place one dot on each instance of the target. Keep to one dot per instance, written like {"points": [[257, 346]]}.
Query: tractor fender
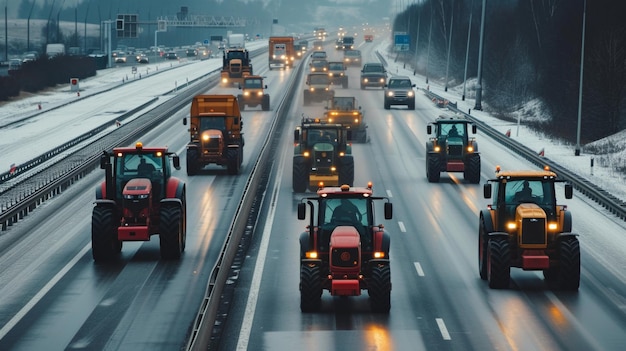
{"points": [[304, 243], [105, 202], [101, 191], [485, 217], [565, 235], [171, 201], [192, 146], [382, 240], [567, 221], [175, 189], [498, 234]]}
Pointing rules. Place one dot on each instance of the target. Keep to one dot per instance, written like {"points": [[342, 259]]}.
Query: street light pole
{"points": [[430, 31], [580, 84], [469, 35], [479, 87], [449, 45]]}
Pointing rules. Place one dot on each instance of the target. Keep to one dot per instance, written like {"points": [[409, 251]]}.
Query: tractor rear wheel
{"points": [[192, 162], [104, 243], [482, 250], [171, 232], [379, 289], [568, 276], [432, 168], [346, 170], [499, 263], [472, 169], [310, 288], [265, 104], [234, 161], [300, 175]]}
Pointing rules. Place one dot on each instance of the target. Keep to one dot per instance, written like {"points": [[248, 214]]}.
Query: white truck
{"points": [[236, 41], [55, 49]]}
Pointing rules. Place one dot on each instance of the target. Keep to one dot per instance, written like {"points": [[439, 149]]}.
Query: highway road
{"points": [[54, 297]]}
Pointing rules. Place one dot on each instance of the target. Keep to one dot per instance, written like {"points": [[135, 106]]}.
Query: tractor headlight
{"points": [[511, 226], [306, 154], [553, 226], [333, 169], [437, 148], [379, 254], [311, 254], [259, 93], [470, 148], [246, 93]]}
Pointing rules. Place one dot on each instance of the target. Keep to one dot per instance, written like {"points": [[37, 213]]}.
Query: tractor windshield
{"points": [[529, 190], [218, 123], [452, 130], [135, 165], [254, 83], [343, 103], [322, 136]]}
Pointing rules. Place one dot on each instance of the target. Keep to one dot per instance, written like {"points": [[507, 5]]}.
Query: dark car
{"points": [[373, 74], [192, 52], [399, 91], [171, 56]]}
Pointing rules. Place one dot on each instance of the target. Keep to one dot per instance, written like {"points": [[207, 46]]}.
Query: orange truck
{"points": [[215, 133], [281, 52]]}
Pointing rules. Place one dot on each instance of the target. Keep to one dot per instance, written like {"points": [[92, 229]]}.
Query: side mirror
{"points": [[265, 87], [388, 210], [176, 161], [569, 191], [429, 129], [184, 121], [473, 128], [296, 135], [104, 161], [301, 211], [487, 191]]}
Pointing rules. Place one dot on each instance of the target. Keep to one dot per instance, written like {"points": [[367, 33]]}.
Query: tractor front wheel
{"points": [[300, 175], [472, 169], [104, 243], [482, 250], [171, 232], [234, 161], [379, 289], [192, 162], [310, 288], [568, 276], [432, 168], [499, 263]]}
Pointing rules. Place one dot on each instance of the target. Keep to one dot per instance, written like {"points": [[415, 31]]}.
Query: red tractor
{"points": [[138, 198], [345, 251]]}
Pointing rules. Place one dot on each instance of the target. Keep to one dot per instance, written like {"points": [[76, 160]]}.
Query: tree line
{"points": [[532, 51]]}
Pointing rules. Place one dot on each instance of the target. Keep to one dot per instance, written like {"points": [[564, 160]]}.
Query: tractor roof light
{"points": [[345, 187], [320, 185], [370, 185], [498, 169], [139, 146], [159, 153]]}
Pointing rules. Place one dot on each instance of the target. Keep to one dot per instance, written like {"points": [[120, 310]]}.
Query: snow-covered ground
{"points": [[604, 173]]}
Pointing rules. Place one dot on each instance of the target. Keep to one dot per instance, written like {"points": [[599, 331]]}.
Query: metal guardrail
{"points": [[37, 186], [610, 202]]}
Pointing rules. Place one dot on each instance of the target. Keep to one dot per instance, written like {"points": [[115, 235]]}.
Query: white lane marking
{"points": [[41, 293], [402, 227], [418, 268], [253, 296], [443, 329], [389, 194]]}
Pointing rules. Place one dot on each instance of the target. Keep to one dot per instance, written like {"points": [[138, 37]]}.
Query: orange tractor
{"points": [[139, 198], [524, 227], [343, 250]]}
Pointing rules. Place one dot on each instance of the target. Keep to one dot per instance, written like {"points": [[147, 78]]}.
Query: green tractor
{"points": [[321, 154], [452, 149]]}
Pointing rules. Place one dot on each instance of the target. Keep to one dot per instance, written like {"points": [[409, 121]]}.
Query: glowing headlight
{"points": [[341, 154], [246, 93], [470, 149], [259, 93], [511, 225], [311, 254], [553, 226], [205, 137], [312, 89], [379, 254], [410, 93], [382, 80], [390, 93], [333, 169], [365, 80], [224, 80], [437, 149]]}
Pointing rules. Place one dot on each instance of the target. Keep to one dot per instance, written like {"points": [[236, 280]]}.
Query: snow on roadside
{"points": [[609, 153]]}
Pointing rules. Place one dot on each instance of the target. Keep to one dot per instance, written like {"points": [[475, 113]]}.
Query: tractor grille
{"points": [[455, 150], [348, 257], [323, 159], [533, 231], [212, 145]]}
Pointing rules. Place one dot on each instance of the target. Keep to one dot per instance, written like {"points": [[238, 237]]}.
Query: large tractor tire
{"points": [[233, 165], [192, 162], [310, 288], [379, 289], [499, 263], [265, 105], [346, 170], [433, 172], [300, 175], [482, 249], [104, 243], [172, 238], [472, 169], [568, 276]]}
